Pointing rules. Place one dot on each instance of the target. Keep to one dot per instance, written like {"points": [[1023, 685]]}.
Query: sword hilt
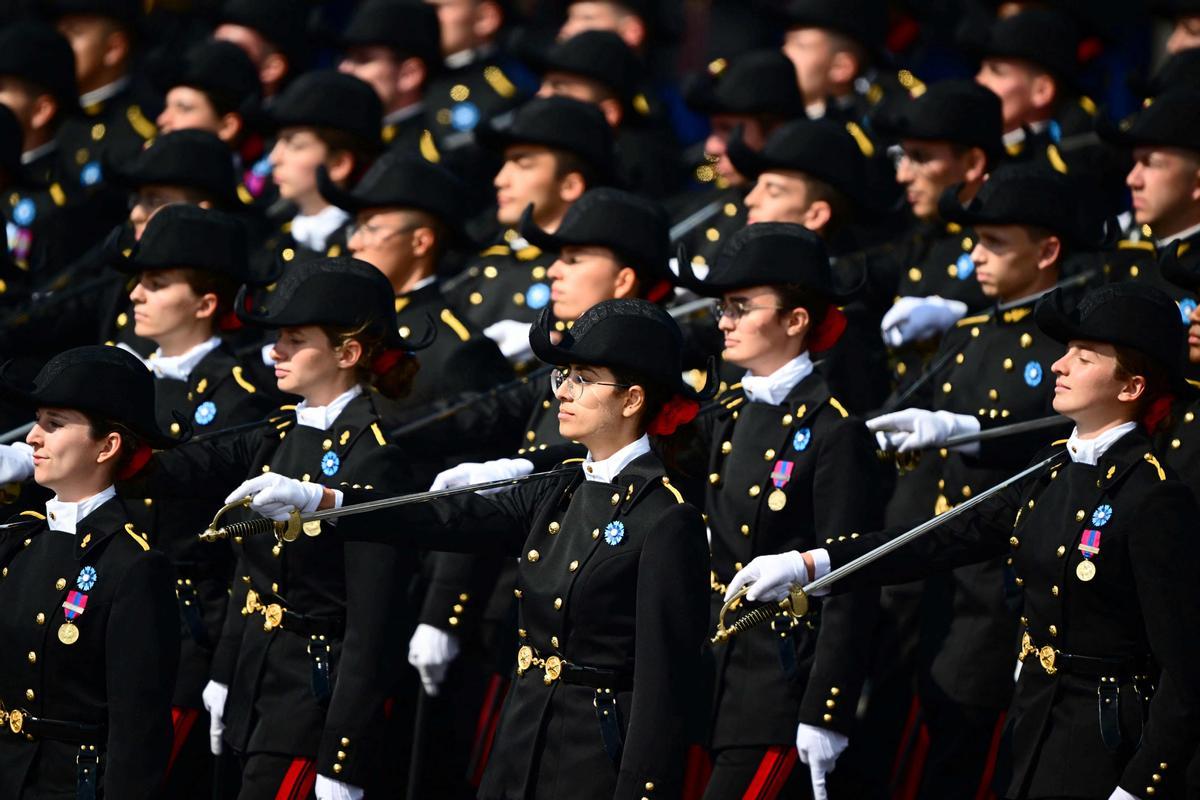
{"points": [[284, 531], [795, 605]]}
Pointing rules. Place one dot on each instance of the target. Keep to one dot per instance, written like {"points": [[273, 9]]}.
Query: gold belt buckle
{"points": [[553, 670], [252, 604], [272, 616], [524, 659], [1026, 647], [16, 720], [1046, 657]]}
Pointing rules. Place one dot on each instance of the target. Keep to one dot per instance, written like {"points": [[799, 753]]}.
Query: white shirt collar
{"points": [[464, 57], [1090, 451], [606, 471], [1174, 237], [314, 231], [774, 388], [323, 417], [400, 114], [61, 516], [29, 156], [180, 367], [104, 92], [421, 284]]}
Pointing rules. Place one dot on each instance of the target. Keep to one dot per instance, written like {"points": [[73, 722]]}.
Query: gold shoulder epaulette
{"points": [[1056, 160], [428, 147], [978, 319], [528, 253], [573, 460], [378, 434], [452, 322], [1150, 459], [499, 82], [1057, 442], [666, 482], [1131, 244], [833, 401], [144, 127], [242, 382], [142, 543], [497, 250], [33, 514]]}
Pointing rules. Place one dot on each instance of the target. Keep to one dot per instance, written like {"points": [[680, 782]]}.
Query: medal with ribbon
{"points": [[1089, 546], [780, 475], [73, 606]]}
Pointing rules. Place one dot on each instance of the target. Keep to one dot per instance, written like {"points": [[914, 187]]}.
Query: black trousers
{"points": [[960, 739], [775, 773]]}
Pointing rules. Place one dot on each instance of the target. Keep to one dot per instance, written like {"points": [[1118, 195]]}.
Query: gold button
{"points": [[827, 717], [32, 657], [649, 786], [754, 491], [122, 319], [457, 609], [714, 478], [337, 768], [345, 742], [40, 619], [1008, 365], [1054, 591], [538, 273], [993, 394], [1061, 551], [726, 447], [341, 755], [616, 498], [557, 603], [1026, 340], [947, 387], [1019, 581], [554, 642], [60, 584], [453, 622], [1025, 621], [1188, 417], [517, 593], [1014, 541], [29, 695], [98, 131], [835, 691], [787, 420], [175, 428], [533, 556], [745, 530], [553, 528], [830, 703], [1149, 789], [768, 455], [328, 443], [490, 272], [712, 234], [1175, 444], [464, 597], [1053, 630], [288, 254], [1079, 515], [475, 298], [596, 533], [574, 565], [1162, 765], [914, 274]]}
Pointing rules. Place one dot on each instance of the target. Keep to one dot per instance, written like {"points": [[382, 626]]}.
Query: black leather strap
{"points": [[87, 773], [189, 612], [596, 677], [320, 651], [608, 716], [329, 627], [63, 731], [1092, 667]]}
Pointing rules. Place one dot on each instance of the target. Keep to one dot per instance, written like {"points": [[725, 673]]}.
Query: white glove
{"points": [[213, 697], [916, 429], [431, 650], [819, 748], [772, 577], [16, 462], [511, 337], [1120, 794], [275, 496], [481, 472], [912, 319], [329, 789]]}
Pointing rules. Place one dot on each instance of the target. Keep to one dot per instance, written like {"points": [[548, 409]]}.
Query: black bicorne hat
{"points": [[192, 159], [560, 123], [1185, 274], [757, 83], [407, 27], [103, 381], [339, 291], [220, 69], [958, 111], [1041, 36], [864, 21], [1033, 195], [627, 334], [330, 99], [35, 52], [1172, 119], [1128, 314], [601, 56], [634, 228], [182, 236], [400, 180]]}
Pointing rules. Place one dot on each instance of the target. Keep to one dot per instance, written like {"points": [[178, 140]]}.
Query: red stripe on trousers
{"points": [[773, 771], [989, 769], [697, 773], [485, 727], [182, 720], [298, 782]]}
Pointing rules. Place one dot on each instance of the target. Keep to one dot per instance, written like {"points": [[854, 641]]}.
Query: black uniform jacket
{"points": [[1139, 609], [349, 594], [216, 396], [119, 673], [766, 683], [507, 280], [611, 577]]}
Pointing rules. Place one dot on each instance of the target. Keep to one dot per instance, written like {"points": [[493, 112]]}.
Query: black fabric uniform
{"points": [[507, 280], [766, 684], [726, 217], [611, 580], [347, 598], [116, 679], [458, 100], [1140, 608]]}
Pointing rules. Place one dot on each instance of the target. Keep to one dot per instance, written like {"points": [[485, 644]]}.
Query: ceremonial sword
{"points": [[796, 603]]}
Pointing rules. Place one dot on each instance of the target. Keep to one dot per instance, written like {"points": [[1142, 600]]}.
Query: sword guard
{"points": [[215, 534], [794, 605]]}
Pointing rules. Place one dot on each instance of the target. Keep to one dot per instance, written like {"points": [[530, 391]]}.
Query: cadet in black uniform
{"points": [[307, 656], [756, 91], [214, 88], [611, 583], [324, 119], [1106, 699], [554, 150], [188, 266], [86, 608], [394, 47], [779, 453], [997, 372], [407, 214]]}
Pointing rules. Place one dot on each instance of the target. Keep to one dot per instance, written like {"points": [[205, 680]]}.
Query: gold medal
{"points": [[312, 527], [776, 500], [68, 634], [524, 659], [1085, 570]]}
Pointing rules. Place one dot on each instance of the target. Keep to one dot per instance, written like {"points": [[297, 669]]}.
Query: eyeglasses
{"points": [[576, 383], [736, 310], [378, 233], [152, 202]]}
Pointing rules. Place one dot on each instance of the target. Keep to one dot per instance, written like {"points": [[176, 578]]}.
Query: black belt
{"points": [[21, 722], [332, 627], [1094, 667], [596, 677]]}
